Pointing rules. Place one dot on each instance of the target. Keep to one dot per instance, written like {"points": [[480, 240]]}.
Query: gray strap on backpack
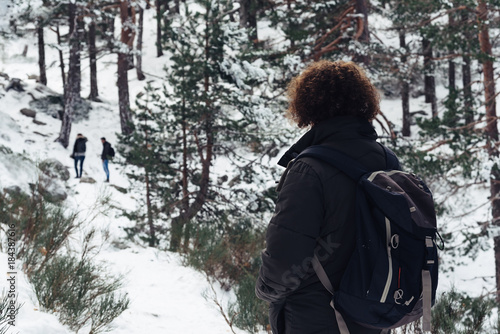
{"points": [[427, 290], [323, 277]]}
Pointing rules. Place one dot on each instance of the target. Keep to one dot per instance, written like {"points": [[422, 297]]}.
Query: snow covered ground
{"points": [[166, 297]]}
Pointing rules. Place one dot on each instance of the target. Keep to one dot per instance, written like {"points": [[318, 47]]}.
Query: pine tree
{"points": [[212, 110], [152, 173]]}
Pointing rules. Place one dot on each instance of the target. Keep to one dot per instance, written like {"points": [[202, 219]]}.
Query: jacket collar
{"points": [[337, 128]]}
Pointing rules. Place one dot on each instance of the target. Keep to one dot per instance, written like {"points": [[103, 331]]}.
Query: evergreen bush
{"points": [[457, 313], [252, 314], [80, 291], [231, 255]]}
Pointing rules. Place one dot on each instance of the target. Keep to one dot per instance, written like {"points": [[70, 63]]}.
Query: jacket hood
{"points": [[341, 127]]}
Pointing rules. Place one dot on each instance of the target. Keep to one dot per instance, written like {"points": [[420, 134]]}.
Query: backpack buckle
{"points": [[429, 243]]}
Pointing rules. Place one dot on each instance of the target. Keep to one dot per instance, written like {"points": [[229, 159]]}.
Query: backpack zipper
{"points": [[389, 258]]}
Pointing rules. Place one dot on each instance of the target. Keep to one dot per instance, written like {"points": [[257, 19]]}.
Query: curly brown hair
{"points": [[327, 89]]}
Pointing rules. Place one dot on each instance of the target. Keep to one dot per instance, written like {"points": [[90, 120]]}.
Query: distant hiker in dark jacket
{"points": [[79, 153], [105, 155], [315, 208]]}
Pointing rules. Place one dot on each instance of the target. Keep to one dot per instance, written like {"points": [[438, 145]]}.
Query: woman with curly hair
{"points": [[315, 208]]}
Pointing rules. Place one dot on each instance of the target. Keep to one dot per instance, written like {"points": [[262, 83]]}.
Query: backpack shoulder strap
{"points": [[341, 161], [391, 159], [345, 163]]}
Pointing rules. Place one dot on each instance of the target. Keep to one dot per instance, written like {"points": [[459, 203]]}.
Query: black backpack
{"points": [[111, 151], [392, 276]]}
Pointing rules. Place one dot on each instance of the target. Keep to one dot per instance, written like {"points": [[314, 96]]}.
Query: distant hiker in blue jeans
{"points": [[105, 155], [79, 153]]}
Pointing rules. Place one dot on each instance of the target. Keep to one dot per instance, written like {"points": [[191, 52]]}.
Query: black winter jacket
{"points": [[80, 147], [106, 151], [314, 214]]}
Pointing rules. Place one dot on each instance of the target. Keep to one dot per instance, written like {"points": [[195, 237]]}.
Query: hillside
{"points": [[166, 296]]}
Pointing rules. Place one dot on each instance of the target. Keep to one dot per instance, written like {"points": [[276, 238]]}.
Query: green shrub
{"points": [[252, 313], [79, 290], [231, 255], [457, 313], [41, 227]]}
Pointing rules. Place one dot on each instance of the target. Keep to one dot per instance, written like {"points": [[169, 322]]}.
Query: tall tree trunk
{"points": [[72, 87], [94, 92], [467, 83], [451, 64], [147, 180], [123, 95], [159, 13], [41, 54], [108, 29], [180, 222], [405, 87], [152, 230], [363, 34], [61, 58], [429, 82], [362, 11], [77, 71], [491, 127], [165, 9], [488, 72], [131, 36], [248, 17], [451, 76], [290, 13], [466, 72], [123, 91], [140, 30], [185, 175]]}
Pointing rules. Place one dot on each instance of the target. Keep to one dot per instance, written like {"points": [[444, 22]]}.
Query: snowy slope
{"points": [[166, 297]]}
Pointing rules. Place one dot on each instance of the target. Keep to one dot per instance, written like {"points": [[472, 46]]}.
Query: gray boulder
{"points": [[13, 191], [53, 192], [55, 169], [50, 190], [53, 105], [87, 179], [28, 112]]}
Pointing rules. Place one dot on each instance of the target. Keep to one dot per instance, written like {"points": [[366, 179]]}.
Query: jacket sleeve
{"points": [[291, 235], [103, 154]]}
